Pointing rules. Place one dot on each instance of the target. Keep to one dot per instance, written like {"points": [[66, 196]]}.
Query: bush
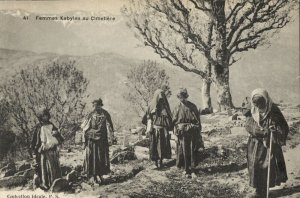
{"points": [[59, 87], [143, 81]]}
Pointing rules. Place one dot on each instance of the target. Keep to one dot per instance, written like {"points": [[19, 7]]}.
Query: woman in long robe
{"points": [[45, 143], [159, 116], [97, 129], [266, 118], [188, 131]]}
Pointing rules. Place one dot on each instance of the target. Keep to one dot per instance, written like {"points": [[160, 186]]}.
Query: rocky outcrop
{"points": [[72, 176], [65, 170], [16, 180], [24, 166], [8, 170], [143, 143], [142, 153], [122, 155], [59, 185]]}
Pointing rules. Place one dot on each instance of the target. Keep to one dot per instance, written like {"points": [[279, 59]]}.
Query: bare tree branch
{"points": [[44, 86], [143, 80], [251, 29], [211, 30], [200, 5]]}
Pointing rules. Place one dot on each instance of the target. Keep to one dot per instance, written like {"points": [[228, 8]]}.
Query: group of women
{"points": [[265, 124], [184, 121], [98, 131]]}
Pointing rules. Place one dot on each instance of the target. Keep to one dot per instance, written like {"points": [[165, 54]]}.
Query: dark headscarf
{"points": [[183, 93], [42, 112], [98, 102], [157, 96]]}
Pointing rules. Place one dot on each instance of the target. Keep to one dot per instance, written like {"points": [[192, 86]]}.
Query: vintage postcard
{"points": [[149, 98]]}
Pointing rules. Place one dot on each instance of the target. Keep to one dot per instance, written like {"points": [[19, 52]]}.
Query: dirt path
{"points": [[170, 182], [222, 173], [292, 187]]}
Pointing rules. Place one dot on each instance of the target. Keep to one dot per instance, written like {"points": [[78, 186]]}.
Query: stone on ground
{"points": [[59, 185], [142, 152], [24, 166], [144, 142], [29, 173], [72, 176], [12, 181], [8, 170]]}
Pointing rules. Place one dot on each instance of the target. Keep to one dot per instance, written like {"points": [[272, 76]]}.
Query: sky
{"points": [[88, 39], [56, 6], [112, 37]]}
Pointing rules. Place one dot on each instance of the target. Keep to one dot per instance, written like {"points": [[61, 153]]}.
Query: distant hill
{"points": [[105, 51], [107, 73]]}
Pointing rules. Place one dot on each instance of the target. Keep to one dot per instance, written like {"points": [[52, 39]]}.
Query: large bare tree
{"points": [[207, 36], [59, 87]]}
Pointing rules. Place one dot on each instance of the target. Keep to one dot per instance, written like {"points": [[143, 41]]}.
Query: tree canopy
{"points": [[142, 81], [59, 87], [207, 36]]}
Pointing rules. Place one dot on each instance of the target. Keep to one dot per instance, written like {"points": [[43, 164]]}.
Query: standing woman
{"points": [[188, 131], [159, 116], [45, 141], [98, 129], [266, 119]]}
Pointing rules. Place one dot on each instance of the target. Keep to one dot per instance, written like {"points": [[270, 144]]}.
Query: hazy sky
{"points": [[84, 40], [88, 39], [91, 39], [112, 6]]}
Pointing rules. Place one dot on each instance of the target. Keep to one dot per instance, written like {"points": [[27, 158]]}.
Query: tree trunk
{"points": [[206, 99], [29, 152], [206, 84], [224, 98], [221, 67]]}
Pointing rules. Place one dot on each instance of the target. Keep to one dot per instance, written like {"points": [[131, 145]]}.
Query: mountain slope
{"points": [[107, 73]]}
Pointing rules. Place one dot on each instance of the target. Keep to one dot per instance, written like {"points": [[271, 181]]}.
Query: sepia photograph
{"points": [[149, 99]]}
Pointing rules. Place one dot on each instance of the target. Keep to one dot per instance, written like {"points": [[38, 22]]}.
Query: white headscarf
{"points": [[258, 116]]}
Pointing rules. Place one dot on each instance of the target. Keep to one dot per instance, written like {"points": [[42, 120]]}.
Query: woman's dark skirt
{"points": [[50, 167], [187, 150], [160, 147], [257, 156], [96, 160]]}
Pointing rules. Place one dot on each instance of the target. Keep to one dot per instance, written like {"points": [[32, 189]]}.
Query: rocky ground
{"points": [[222, 171]]}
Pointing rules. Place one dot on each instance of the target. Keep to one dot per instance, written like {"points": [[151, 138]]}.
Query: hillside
{"points": [[112, 47], [105, 69], [105, 52], [222, 171]]}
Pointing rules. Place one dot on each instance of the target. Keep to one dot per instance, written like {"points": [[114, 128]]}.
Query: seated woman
{"points": [[266, 118]]}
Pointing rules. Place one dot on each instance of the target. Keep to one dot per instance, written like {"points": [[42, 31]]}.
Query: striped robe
{"points": [[257, 153], [96, 161]]}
